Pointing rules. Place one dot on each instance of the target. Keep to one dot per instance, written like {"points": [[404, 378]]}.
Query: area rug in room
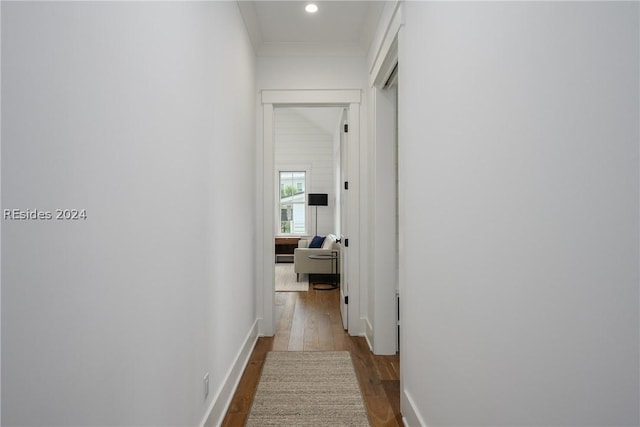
{"points": [[285, 280], [308, 388]]}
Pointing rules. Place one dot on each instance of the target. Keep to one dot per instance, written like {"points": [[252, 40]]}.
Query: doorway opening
{"points": [[283, 217], [307, 160]]}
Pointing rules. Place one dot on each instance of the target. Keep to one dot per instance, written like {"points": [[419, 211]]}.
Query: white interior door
{"points": [[344, 232]]}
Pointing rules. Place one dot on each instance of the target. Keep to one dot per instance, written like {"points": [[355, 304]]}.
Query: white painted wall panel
{"points": [[123, 109], [519, 171]]}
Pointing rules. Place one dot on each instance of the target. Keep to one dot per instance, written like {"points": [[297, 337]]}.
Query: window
{"points": [[292, 202]]}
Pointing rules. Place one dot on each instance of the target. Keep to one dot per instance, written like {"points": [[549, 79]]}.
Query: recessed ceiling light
{"points": [[311, 8]]}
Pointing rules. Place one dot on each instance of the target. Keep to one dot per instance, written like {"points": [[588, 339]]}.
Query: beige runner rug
{"points": [[308, 388]]}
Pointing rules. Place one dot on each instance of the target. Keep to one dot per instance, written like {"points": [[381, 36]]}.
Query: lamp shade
{"points": [[318, 199]]}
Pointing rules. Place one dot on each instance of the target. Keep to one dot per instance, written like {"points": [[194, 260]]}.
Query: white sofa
{"points": [[303, 264]]}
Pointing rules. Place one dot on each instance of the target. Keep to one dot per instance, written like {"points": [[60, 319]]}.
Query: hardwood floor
{"points": [[310, 321]]}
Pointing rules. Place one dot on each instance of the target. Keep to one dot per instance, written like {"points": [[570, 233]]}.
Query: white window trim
{"points": [[291, 167]]}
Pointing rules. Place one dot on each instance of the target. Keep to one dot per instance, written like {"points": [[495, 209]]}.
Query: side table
{"points": [[333, 258]]}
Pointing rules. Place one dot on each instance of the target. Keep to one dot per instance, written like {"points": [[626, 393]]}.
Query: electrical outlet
{"points": [[205, 382]]}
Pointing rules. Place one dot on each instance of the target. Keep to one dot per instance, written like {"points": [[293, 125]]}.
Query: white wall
{"points": [[311, 72], [123, 109], [519, 158], [297, 143], [0, 228]]}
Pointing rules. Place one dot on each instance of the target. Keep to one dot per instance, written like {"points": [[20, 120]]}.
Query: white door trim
{"points": [[316, 98], [265, 269]]}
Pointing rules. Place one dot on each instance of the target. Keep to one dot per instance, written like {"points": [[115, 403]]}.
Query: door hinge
{"points": [[346, 300], [346, 128], [346, 185], [346, 243]]}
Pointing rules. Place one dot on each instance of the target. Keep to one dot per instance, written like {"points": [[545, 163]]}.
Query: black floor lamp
{"points": [[318, 199]]}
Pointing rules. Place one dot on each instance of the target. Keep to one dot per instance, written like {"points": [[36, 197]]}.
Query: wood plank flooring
{"points": [[310, 321]]}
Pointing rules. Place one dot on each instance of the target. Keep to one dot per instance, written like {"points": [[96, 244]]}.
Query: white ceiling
{"points": [[339, 28]]}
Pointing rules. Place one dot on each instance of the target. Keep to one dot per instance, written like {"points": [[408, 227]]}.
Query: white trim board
{"points": [[368, 332], [222, 399], [411, 417], [301, 98], [387, 53]]}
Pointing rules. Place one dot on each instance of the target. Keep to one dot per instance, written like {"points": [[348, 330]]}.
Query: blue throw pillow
{"points": [[316, 242]]}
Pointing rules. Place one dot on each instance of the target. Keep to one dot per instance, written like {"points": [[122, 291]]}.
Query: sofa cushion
{"points": [[317, 242], [329, 241]]}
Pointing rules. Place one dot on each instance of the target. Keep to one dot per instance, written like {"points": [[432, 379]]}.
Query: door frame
{"points": [[265, 206], [343, 202]]}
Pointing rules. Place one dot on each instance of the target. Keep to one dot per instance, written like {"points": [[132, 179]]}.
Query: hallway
{"points": [[518, 207], [310, 321]]}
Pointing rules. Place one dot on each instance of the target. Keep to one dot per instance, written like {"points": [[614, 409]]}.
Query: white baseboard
{"points": [[368, 332], [411, 417], [222, 399]]}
